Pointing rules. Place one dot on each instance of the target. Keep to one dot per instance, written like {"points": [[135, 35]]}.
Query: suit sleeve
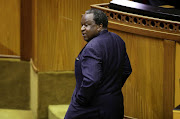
{"points": [[92, 72]]}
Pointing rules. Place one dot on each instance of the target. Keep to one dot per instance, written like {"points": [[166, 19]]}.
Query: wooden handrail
{"points": [[141, 25], [33, 66], [10, 56]]}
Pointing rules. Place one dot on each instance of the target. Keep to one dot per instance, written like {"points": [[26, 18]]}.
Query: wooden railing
{"points": [[149, 26]]}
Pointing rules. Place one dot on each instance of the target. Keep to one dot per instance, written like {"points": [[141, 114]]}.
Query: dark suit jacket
{"points": [[101, 70]]}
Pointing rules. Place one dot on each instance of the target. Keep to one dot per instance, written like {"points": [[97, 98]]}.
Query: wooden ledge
{"points": [[10, 56], [141, 25]]}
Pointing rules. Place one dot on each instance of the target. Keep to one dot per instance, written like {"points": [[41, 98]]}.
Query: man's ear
{"points": [[100, 27]]}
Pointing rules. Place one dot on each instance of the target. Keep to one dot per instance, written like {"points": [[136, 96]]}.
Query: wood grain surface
{"points": [[10, 27]]}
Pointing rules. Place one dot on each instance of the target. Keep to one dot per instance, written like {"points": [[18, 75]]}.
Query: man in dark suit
{"points": [[101, 70]]}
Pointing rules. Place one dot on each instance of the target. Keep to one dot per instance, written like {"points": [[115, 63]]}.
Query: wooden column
{"points": [[26, 31]]}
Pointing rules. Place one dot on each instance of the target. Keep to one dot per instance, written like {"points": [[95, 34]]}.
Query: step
{"points": [[57, 111], [15, 114], [14, 84]]}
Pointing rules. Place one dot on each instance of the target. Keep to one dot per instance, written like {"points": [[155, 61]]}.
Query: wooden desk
{"points": [[152, 45]]}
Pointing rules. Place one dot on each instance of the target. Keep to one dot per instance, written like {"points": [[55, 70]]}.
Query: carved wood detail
{"points": [[165, 27]]}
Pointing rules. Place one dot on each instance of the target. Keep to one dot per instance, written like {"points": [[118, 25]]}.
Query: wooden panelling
{"points": [[143, 91], [177, 75], [150, 88], [58, 35], [169, 79], [10, 27]]}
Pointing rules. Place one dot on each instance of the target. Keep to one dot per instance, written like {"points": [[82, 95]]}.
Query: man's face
{"points": [[89, 28]]}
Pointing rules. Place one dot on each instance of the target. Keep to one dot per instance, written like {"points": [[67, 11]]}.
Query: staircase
{"points": [[14, 89], [26, 94], [57, 111], [15, 114]]}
